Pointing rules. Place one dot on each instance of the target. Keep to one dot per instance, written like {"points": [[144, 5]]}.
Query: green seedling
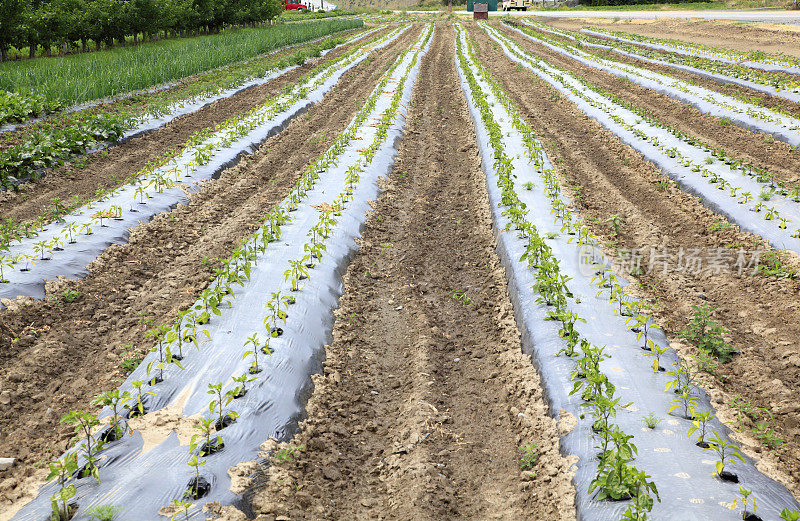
{"points": [[699, 425], [726, 452], [219, 403], [528, 456], [656, 351], [212, 443], [139, 409], [115, 400], [242, 380], [790, 515], [686, 400], [184, 506], [255, 342], [83, 423], [62, 469], [195, 463], [651, 420], [745, 499]]}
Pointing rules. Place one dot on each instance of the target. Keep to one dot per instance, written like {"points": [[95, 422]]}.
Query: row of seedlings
{"points": [[771, 82], [591, 382], [616, 478], [783, 127], [158, 183], [757, 59], [191, 327], [52, 143], [721, 180]]}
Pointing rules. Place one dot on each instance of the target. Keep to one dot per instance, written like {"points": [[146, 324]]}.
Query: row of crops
{"points": [[32, 254], [748, 195], [39, 87], [240, 356], [233, 368], [601, 356], [775, 83]]}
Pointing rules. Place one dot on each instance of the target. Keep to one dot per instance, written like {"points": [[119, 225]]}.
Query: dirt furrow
{"points": [[426, 397], [753, 147], [107, 169], [55, 356], [605, 178]]}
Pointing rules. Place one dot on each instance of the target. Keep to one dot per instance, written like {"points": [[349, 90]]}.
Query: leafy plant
{"points": [[699, 425], [790, 515], [212, 444], [745, 499], [194, 491], [651, 420], [185, 505], [706, 334], [83, 423], [615, 221], [140, 408], [727, 452], [528, 456], [115, 400], [62, 469], [218, 405], [254, 341], [103, 512]]}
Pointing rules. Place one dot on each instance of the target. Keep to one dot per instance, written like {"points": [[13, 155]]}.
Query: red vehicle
{"points": [[295, 6]]}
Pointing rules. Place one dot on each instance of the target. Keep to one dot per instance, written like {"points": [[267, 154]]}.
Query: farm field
{"points": [[415, 268]]}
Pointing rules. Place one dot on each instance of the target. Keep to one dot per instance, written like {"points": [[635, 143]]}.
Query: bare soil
{"points": [[753, 147], [761, 313], [56, 357], [426, 396], [715, 33], [109, 168]]}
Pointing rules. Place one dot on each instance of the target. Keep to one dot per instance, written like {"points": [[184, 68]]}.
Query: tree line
{"points": [[75, 24]]}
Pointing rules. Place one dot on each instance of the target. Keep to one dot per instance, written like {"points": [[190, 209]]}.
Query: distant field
{"points": [[89, 76]]}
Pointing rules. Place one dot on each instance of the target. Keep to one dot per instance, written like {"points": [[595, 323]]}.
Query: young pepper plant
{"points": [[83, 423]]}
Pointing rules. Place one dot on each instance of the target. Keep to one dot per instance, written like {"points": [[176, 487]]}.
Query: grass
{"points": [[90, 76]]}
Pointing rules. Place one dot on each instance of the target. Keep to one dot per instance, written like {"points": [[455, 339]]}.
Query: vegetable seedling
{"points": [[184, 505], [212, 443], [218, 405], [254, 341], [62, 469], [195, 489], [745, 499], [83, 423], [113, 399], [139, 409], [790, 515], [242, 380], [727, 452], [699, 425]]}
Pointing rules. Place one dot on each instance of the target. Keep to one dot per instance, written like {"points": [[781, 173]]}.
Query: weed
{"points": [[103, 512], [70, 295], [651, 420], [720, 226], [289, 453], [528, 456], [707, 334], [615, 222]]}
